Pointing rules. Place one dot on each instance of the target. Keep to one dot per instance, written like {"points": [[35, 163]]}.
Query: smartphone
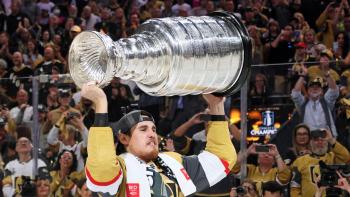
{"points": [[262, 148], [204, 117]]}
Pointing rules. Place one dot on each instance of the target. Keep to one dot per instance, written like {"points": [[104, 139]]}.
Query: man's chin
{"points": [[150, 155]]}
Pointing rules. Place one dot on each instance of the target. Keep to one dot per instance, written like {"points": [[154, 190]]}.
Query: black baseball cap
{"points": [[64, 92], [129, 120], [318, 133]]}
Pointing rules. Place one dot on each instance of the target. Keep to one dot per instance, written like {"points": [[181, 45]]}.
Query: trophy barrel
{"points": [[169, 56]]}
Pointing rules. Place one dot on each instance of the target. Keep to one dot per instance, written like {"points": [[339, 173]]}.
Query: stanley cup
{"points": [[169, 56]]}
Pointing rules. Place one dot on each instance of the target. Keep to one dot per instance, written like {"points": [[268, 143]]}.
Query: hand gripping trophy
{"points": [[169, 56]]}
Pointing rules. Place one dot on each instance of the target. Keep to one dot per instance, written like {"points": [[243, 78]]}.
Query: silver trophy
{"points": [[168, 56]]}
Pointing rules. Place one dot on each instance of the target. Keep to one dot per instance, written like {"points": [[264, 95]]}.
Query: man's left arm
{"points": [[218, 138], [219, 156]]}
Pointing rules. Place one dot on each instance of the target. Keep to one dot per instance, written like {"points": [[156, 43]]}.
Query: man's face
{"points": [[23, 145], [143, 142], [17, 59], [49, 53], [314, 91], [22, 97], [319, 146]]}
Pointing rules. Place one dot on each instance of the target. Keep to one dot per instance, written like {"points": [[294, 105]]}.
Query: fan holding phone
{"points": [[270, 165]]}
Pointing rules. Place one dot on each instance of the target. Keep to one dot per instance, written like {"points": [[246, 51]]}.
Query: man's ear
{"points": [[123, 138]]}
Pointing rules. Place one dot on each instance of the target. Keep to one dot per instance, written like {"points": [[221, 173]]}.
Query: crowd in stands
{"points": [[304, 45]]}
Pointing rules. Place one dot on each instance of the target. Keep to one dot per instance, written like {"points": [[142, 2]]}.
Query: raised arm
{"points": [[218, 137], [103, 170]]}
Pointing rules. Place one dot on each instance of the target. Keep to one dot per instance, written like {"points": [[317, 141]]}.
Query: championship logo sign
{"points": [[267, 127]]}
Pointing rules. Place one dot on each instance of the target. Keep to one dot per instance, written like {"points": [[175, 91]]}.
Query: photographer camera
{"points": [[331, 182], [246, 189], [65, 135], [325, 148]]}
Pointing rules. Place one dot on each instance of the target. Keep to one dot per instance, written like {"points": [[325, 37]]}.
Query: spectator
{"points": [[264, 171], [258, 47], [167, 9], [42, 182], [259, 91], [18, 76], [89, 19], [326, 57], [32, 57], [64, 171], [210, 6], [50, 61], [5, 51], [229, 6], [341, 47], [64, 99], [200, 10], [22, 112], [281, 12], [315, 111], [15, 17], [23, 166], [310, 41], [307, 166], [301, 143], [249, 189], [281, 50], [63, 136], [181, 5], [45, 40], [326, 23], [55, 26]]}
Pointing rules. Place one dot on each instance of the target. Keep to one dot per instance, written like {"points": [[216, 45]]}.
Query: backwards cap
{"points": [[129, 120]]}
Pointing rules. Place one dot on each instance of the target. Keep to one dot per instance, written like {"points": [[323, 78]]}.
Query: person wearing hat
{"points": [[326, 56], [142, 170], [64, 99], [315, 108], [23, 165], [74, 31], [307, 166]]}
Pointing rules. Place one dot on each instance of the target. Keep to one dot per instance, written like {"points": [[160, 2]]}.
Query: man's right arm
{"points": [[103, 170]]}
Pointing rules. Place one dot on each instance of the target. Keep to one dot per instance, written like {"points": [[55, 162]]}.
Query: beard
{"points": [[319, 151], [150, 155]]}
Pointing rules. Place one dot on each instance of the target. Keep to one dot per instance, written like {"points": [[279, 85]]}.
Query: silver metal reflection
{"points": [[168, 56]]}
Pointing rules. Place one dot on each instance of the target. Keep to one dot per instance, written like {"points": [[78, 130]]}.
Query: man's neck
{"points": [[24, 157]]}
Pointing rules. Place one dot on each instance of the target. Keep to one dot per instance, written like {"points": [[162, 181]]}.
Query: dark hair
{"points": [[271, 186], [74, 166], [346, 43]]}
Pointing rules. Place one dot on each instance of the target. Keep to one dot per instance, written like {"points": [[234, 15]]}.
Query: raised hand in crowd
{"points": [[343, 183]]}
